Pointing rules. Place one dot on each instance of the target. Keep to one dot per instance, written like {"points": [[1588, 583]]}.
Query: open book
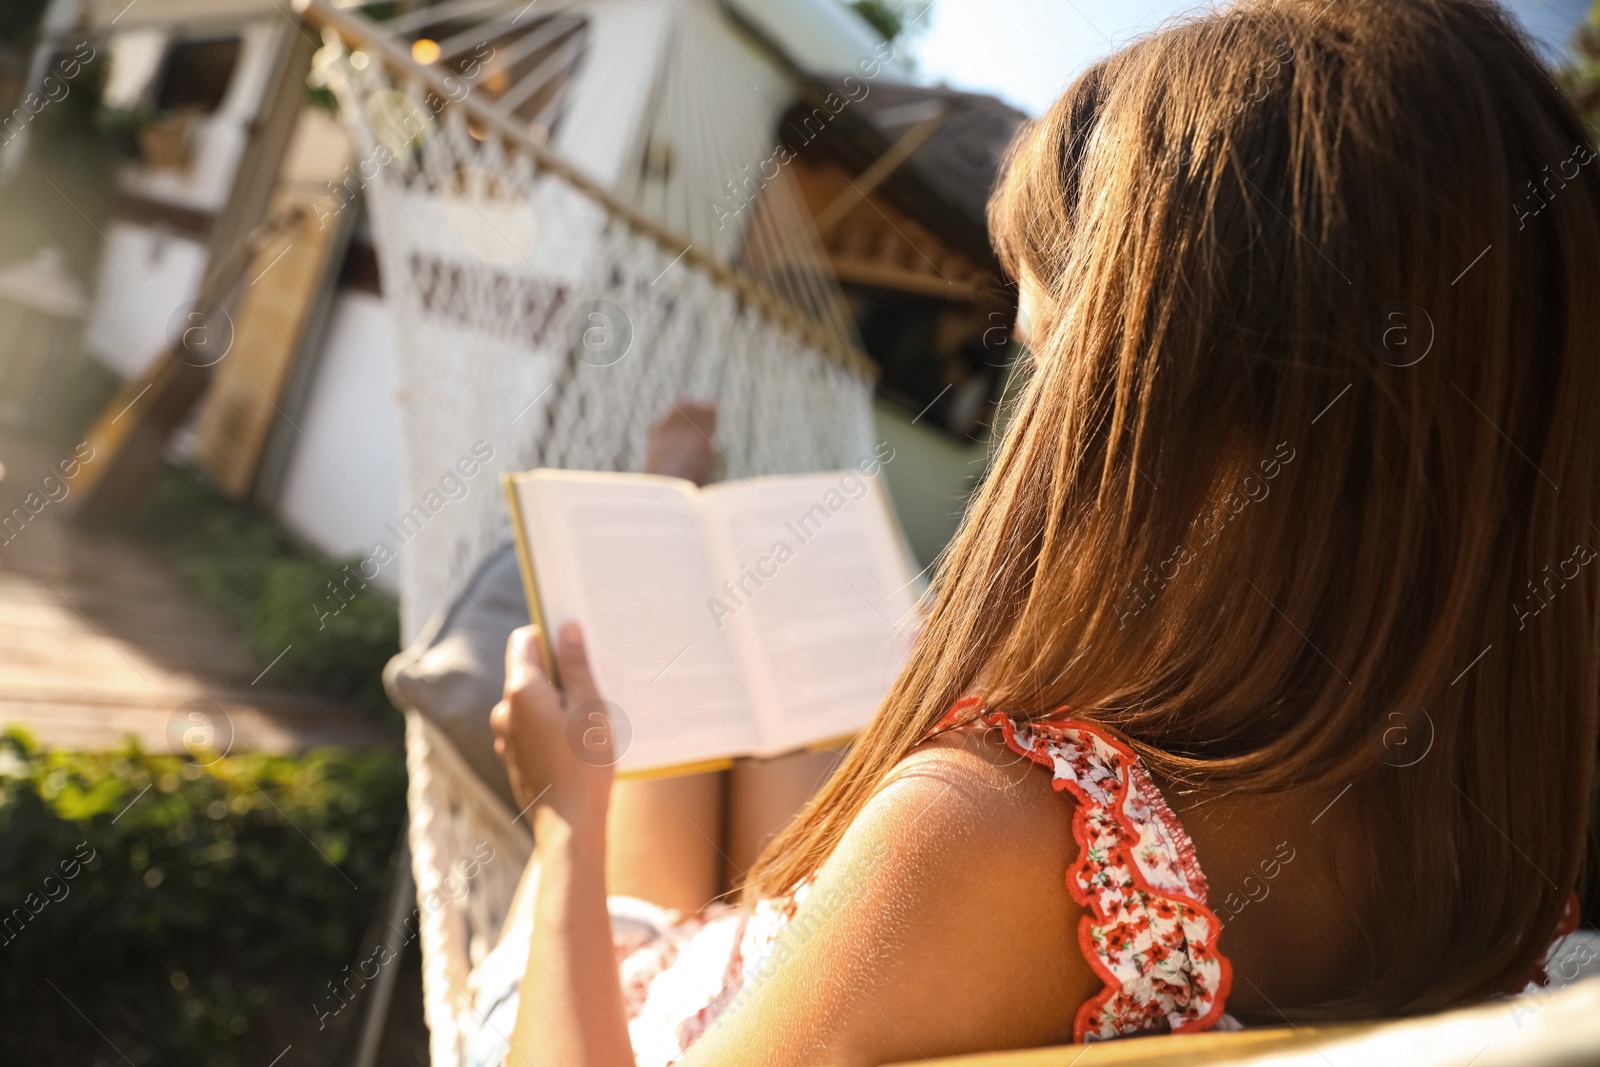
{"points": [[753, 617]]}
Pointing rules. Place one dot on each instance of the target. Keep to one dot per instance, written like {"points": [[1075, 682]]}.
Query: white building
{"points": [[326, 458]]}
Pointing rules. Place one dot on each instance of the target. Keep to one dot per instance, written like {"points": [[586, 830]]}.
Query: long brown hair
{"points": [[1306, 445]]}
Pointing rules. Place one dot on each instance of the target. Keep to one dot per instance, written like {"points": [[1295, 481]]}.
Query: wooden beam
{"points": [[879, 171], [881, 275], [130, 436], [143, 211], [291, 279], [1215, 1048]]}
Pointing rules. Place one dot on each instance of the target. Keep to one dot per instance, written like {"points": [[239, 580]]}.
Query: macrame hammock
{"points": [[554, 320]]}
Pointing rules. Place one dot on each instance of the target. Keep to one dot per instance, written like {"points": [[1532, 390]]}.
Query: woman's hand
{"points": [[557, 744], [558, 747]]}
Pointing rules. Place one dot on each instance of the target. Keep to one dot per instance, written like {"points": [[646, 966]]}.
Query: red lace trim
{"points": [[1080, 832], [1169, 819]]}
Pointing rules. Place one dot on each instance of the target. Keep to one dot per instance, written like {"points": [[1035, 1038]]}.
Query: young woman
{"points": [[1261, 682]]}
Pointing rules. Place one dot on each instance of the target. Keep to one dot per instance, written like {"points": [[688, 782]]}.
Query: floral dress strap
{"points": [[1147, 931]]}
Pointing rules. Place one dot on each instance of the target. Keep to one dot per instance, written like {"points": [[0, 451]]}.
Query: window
{"points": [[196, 74]]}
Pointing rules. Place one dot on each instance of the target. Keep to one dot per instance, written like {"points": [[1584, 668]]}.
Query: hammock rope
{"points": [[552, 319]]}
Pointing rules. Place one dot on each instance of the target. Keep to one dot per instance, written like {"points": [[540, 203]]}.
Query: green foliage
{"points": [[203, 901], [276, 591], [320, 96], [1580, 75], [886, 16]]}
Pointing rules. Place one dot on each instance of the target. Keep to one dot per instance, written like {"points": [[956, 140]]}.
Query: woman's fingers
{"points": [[576, 678], [522, 657], [544, 734], [525, 679]]}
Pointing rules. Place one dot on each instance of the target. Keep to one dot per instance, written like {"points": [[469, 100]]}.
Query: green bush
{"points": [[181, 907], [271, 587], [885, 17]]}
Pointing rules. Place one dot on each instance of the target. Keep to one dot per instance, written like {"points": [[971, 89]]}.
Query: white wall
{"points": [[930, 478], [343, 478], [145, 276], [611, 89], [147, 273], [219, 139], [821, 38]]}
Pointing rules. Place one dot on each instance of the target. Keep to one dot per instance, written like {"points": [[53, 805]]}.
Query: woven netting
{"points": [[531, 321], [526, 318]]}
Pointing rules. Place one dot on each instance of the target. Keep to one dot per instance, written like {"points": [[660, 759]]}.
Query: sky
{"points": [[1026, 51]]}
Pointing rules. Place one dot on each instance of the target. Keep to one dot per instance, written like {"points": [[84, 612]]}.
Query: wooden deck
{"points": [[99, 641]]}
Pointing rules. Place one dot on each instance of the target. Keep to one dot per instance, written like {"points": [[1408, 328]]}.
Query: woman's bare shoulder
{"points": [[965, 812], [947, 890], [970, 781], [975, 842]]}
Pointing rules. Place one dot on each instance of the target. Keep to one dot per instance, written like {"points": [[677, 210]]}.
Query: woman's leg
{"points": [[663, 840], [655, 849], [763, 796]]}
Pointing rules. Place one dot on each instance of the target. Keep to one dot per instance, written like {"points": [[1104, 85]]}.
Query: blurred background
{"points": [[268, 268]]}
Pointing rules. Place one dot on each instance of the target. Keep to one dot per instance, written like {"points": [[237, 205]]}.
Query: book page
{"points": [[814, 582], [625, 555]]}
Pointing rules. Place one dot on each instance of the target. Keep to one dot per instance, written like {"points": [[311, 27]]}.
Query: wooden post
{"points": [[131, 434], [288, 290]]}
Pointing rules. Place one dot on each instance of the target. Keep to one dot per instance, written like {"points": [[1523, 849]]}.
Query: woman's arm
{"points": [[940, 925], [570, 1010]]}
